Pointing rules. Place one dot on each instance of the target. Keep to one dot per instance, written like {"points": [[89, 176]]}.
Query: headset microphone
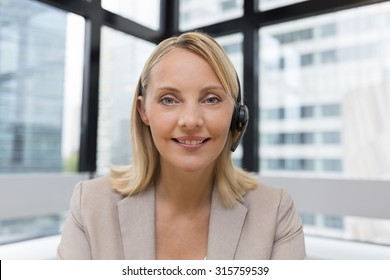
{"points": [[240, 118]]}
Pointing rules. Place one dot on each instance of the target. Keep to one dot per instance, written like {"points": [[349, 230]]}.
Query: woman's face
{"points": [[187, 110]]}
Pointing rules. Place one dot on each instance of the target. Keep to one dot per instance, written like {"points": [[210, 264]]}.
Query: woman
{"points": [[182, 198]]}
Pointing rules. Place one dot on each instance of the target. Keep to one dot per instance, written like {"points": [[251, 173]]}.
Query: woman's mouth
{"points": [[191, 141]]}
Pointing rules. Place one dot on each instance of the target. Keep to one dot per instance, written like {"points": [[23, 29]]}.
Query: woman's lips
{"points": [[191, 141]]}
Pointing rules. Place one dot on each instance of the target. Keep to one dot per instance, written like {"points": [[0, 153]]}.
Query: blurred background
{"points": [[315, 76]]}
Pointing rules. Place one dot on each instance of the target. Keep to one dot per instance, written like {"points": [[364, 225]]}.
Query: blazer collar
{"points": [[224, 228], [137, 222]]}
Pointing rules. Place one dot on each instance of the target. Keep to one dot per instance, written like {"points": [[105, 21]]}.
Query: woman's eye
{"points": [[213, 100], [167, 101]]}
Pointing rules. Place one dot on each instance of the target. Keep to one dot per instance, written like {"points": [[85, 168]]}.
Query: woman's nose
{"points": [[191, 116]]}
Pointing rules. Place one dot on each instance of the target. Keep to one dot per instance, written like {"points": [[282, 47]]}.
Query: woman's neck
{"points": [[185, 191]]}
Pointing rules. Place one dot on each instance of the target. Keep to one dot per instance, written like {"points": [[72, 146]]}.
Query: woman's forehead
{"points": [[181, 62]]}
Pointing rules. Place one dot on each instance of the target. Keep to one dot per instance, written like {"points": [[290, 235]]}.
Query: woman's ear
{"points": [[141, 110]]}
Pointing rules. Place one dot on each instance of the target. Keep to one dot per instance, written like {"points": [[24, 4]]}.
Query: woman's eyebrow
{"points": [[207, 88], [216, 89], [213, 88], [167, 88]]}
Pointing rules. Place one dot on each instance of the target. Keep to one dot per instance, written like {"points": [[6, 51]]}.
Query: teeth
{"points": [[191, 142]]}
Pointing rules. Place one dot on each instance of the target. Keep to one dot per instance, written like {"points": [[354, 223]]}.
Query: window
{"points": [[146, 13], [122, 59], [195, 13], [330, 110], [328, 30], [16, 230], [307, 59], [232, 45], [308, 219], [272, 4], [331, 137], [332, 165], [347, 86], [328, 56], [295, 36], [343, 97], [307, 112], [272, 113], [41, 64]]}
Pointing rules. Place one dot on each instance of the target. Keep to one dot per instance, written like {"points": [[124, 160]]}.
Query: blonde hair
{"points": [[232, 181]]}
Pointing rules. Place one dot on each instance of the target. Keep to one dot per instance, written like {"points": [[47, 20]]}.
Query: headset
{"points": [[240, 118]]}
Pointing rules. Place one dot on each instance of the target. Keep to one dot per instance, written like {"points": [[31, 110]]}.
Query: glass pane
{"points": [[41, 64], [370, 230], [196, 13], [122, 59], [325, 99], [232, 45], [146, 13], [22, 229], [325, 106], [272, 4]]}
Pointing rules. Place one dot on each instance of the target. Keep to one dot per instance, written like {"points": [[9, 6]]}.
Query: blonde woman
{"points": [[182, 198]]}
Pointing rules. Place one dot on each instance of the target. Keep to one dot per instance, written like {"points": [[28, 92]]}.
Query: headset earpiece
{"points": [[240, 119], [239, 123]]}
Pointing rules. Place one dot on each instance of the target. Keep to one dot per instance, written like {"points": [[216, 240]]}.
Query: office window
{"points": [[122, 59], [307, 111], [317, 224], [292, 138], [307, 138], [16, 230], [308, 219], [232, 44], [41, 70], [272, 139], [343, 96], [196, 13], [41, 63], [328, 56], [295, 138], [299, 164], [332, 165], [295, 36], [331, 137], [289, 164], [272, 113], [273, 163], [328, 30], [334, 222], [346, 89], [272, 4], [330, 110], [307, 59], [146, 13]]}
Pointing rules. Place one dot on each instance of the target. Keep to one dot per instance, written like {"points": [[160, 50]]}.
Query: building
{"points": [[31, 87]]}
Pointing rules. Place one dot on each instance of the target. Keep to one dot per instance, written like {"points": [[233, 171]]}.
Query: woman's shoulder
{"points": [[98, 190], [266, 196]]}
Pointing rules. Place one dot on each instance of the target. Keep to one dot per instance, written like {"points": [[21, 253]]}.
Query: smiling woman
{"points": [[182, 197]]}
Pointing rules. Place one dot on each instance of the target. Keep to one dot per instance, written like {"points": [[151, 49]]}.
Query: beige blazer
{"points": [[103, 224]]}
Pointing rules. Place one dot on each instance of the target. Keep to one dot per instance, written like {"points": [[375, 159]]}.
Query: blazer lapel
{"points": [[137, 222], [225, 228]]}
